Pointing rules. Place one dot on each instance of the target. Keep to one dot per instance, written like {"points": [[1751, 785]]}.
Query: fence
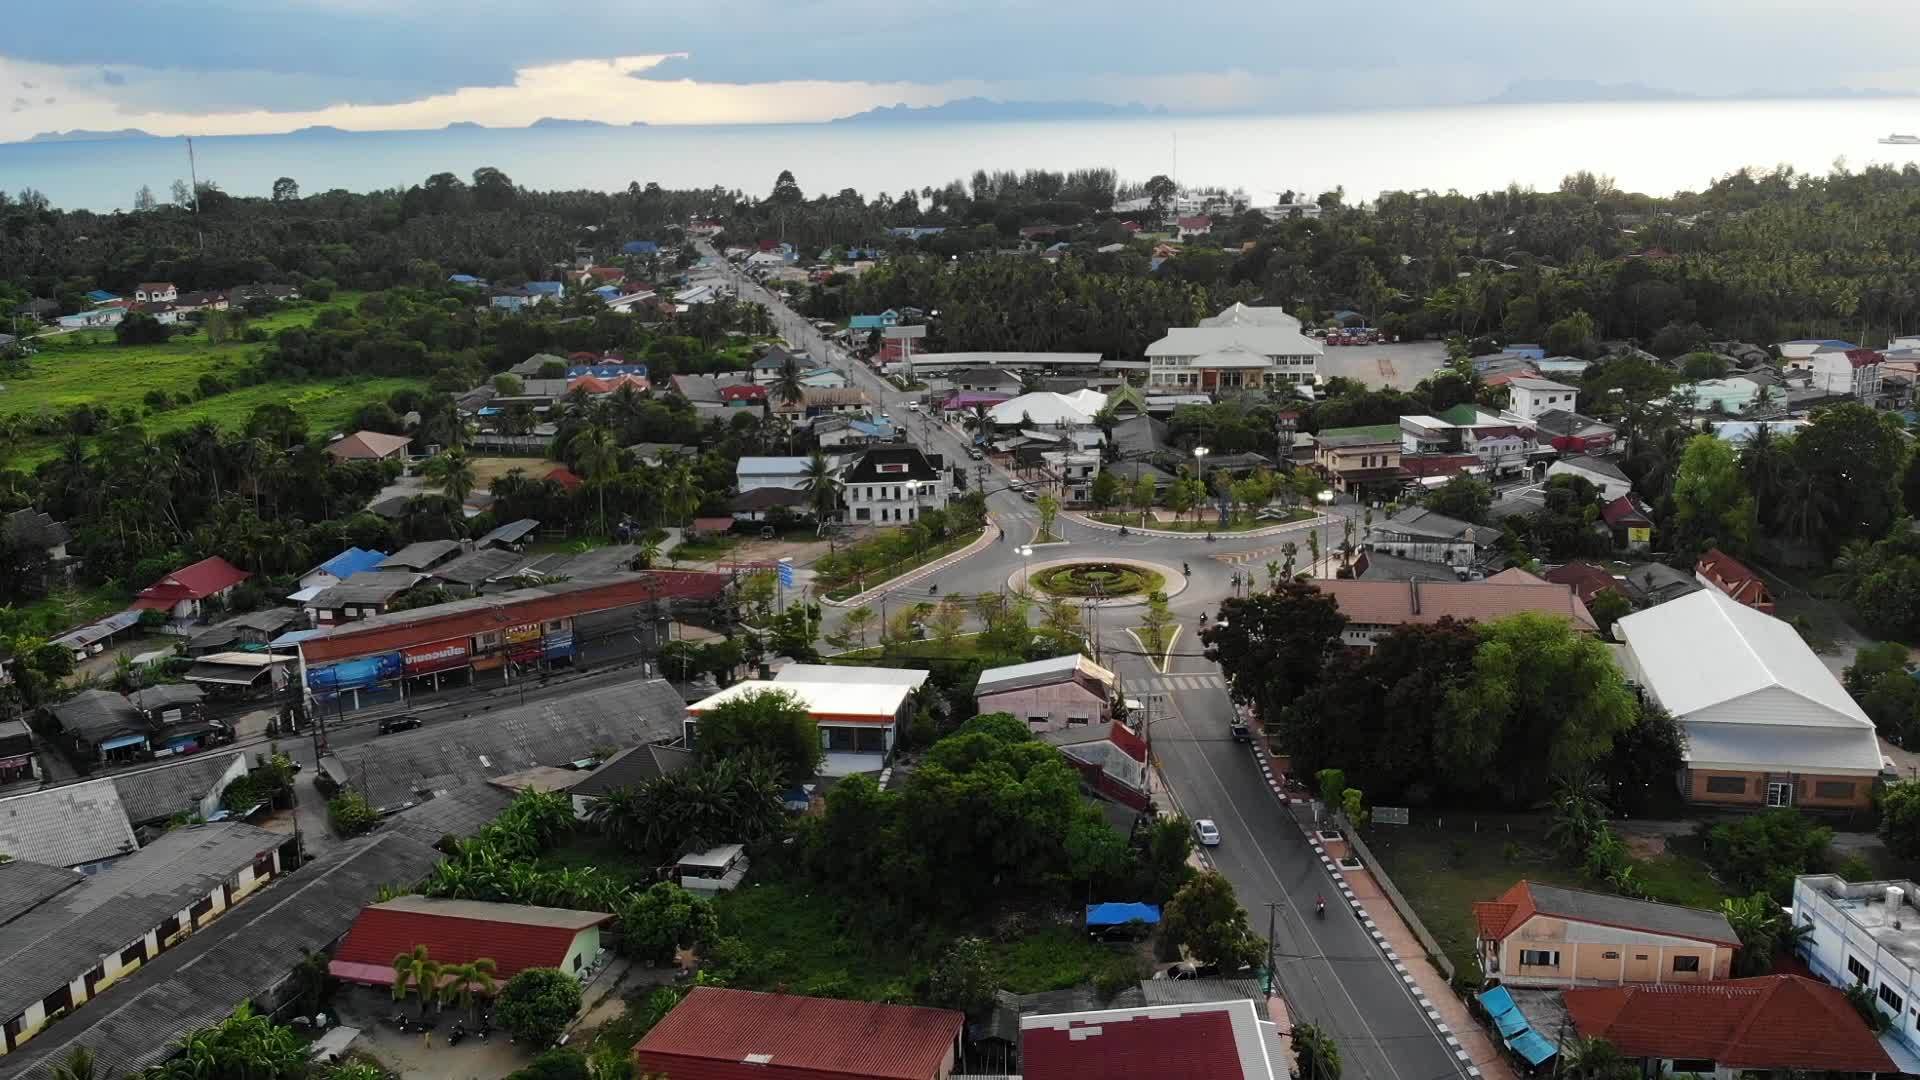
{"points": [[1427, 942]]}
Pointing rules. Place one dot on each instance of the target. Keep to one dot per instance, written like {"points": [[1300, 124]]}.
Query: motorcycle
{"points": [[1209, 538], [459, 1032], [1124, 532], [1320, 907], [1186, 570]]}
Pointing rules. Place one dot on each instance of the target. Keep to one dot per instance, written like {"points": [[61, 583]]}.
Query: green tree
{"points": [[1859, 456], [559, 1063], [1591, 1058], [1762, 928], [1315, 1053], [537, 1005], [1157, 620], [1206, 918], [773, 722], [1145, 489], [1766, 851], [1900, 818], [822, 487], [1047, 506], [416, 970], [1465, 497], [856, 621], [1543, 700], [963, 977], [76, 1065], [349, 814], [1711, 505], [665, 918], [598, 458], [468, 982], [1106, 490], [286, 189], [1274, 645], [454, 474], [1607, 608]]}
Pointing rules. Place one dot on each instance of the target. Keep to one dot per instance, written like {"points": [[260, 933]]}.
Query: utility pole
{"points": [[1273, 910]]}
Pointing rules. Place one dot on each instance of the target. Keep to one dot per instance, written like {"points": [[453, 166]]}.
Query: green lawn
{"points": [[880, 577], [589, 850], [1443, 871], [67, 608], [799, 944], [89, 368]]}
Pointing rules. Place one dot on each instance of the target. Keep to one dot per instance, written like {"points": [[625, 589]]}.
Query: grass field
{"points": [[1442, 871], [89, 368]]}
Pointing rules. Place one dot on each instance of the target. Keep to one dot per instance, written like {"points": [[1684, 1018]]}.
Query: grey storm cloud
{"points": [[301, 54]]}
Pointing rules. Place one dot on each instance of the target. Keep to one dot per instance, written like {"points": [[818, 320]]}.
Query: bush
{"points": [[1765, 852], [664, 918], [963, 977], [560, 1063], [349, 813], [537, 1005]]}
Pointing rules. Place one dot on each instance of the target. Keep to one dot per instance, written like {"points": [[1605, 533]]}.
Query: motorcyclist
{"points": [[1320, 905]]}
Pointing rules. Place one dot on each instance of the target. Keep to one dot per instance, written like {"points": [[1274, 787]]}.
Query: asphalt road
{"points": [[1328, 967]]}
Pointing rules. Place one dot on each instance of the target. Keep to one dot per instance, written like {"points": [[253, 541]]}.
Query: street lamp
{"points": [[1025, 551], [1200, 468]]}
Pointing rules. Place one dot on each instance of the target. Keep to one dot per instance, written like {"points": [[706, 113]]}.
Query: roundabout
{"points": [[1098, 581]]}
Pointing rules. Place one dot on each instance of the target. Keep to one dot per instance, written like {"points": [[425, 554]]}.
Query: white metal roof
{"points": [[1706, 650], [911, 678], [1528, 383], [770, 466], [1031, 673], [1265, 340], [1047, 407], [1781, 748], [839, 698]]}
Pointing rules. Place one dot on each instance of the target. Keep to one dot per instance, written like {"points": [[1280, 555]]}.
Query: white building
{"points": [[762, 472], [1231, 357], [1831, 371], [857, 709], [1604, 475], [1238, 314], [1047, 409], [1529, 397], [1867, 933], [894, 485]]}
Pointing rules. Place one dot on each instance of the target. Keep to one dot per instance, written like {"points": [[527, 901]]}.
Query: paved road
{"points": [[1328, 967]]}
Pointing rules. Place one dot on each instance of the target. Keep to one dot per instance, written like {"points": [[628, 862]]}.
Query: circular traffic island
{"points": [[1098, 580]]}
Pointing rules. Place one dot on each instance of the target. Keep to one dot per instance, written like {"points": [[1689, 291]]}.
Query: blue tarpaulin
{"points": [[123, 740], [1533, 1047], [1122, 914]]}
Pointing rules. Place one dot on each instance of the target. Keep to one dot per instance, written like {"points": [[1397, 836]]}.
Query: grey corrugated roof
{"points": [[153, 794], [510, 533], [633, 767], [166, 696], [1696, 923], [1197, 991], [309, 910], [419, 555], [476, 567], [67, 935], [23, 885], [401, 768], [66, 826], [97, 713], [460, 813], [365, 587]]}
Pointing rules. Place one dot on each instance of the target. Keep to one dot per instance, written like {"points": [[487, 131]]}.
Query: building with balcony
{"points": [[1356, 458], [1238, 356], [1867, 933], [894, 485]]}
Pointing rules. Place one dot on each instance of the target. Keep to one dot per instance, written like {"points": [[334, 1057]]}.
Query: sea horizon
{"points": [[1658, 148]]}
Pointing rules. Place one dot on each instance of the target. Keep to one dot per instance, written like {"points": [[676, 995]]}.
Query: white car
{"points": [[1206, 832]]}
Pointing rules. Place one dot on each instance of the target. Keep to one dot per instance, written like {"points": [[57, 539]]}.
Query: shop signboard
{"points": [[557, 645], [520, 635], [354, 674], [438, 656]]}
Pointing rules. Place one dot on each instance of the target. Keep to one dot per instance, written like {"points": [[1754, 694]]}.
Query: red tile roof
{"points": [[717, 1034], [1863, 357], [1190, 1043], [1731, 576], [1772, 1022], [1129, 743], [367, 446], [1588, 580], [1495, 919], [1199, 221], [565, 477], [196, 582], [457, 932], [1624, 511]]}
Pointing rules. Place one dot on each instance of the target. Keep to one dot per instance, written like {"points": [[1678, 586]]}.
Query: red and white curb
{"points": [[1373, 931]]}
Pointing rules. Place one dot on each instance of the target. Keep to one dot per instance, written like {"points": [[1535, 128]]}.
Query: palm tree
{"points": [[618, 813], [1593, 1058], [453, 472], [467, 981], [419, 970], [77, 1065], [599, 460], [821, 486]]}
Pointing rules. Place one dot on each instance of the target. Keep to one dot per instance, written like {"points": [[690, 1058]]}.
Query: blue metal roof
{"points": [[99, 295], [295, 637], [640, 247], [352, 561], [550, 288], [1118, 914]]}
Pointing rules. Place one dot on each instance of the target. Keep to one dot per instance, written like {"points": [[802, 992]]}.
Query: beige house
{"points": [[1544, 935], [1356, 457], [1050, 695]]}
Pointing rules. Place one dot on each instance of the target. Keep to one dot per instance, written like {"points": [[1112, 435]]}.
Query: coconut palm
{"points": [[77, 1065], [465, 982], [421, 972], [821, 486], [599, 461], [453, 472]]}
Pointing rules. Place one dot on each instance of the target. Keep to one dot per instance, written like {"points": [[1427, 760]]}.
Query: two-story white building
{"points": [[1232, 357], [1503, 444], [894, 485], [752, 473], [1529, 397], [1867, 933], [1855, 372]]}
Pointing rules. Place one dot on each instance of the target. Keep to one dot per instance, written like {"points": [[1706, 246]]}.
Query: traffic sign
{"points": [[898, 332], [1390, 815], [786, 573]]}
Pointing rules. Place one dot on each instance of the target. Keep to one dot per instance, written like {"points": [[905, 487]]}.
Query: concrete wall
{"points": [[582, 953], [1806, 789], [1058, 702]]}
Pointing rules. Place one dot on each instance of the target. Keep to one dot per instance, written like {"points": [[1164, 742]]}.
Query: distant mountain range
{"points": [[562, 122], [983, 110], [1583, 91], [82, 135]]}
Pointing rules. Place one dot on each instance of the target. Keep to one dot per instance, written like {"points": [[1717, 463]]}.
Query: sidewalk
{"points": [[988, 537], [1449, 1014]]}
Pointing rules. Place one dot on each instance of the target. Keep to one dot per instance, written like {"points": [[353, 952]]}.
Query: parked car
{"points": [[403, 722], [974, 453], [1206, 832]]}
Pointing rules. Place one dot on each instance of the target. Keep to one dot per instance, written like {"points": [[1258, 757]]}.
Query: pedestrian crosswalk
{"points": [[1191, 681], [1272, 552]]}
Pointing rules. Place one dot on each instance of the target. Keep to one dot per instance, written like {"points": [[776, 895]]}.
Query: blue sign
{"points": [[355, 674], [786, 575]]}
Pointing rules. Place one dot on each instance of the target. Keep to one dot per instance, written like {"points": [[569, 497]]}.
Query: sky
{"points": [[246, 66]]}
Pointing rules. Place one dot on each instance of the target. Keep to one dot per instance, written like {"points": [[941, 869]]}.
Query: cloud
{"points": [[112, 78]]}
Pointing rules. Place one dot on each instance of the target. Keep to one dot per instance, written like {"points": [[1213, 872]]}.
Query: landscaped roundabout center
{"points": [[1097, 579]]}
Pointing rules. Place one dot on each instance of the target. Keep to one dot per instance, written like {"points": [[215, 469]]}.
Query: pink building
{"points": [[1050, 695]]}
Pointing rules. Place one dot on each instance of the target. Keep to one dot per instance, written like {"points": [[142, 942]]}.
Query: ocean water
{"points": [[1656, 148]]}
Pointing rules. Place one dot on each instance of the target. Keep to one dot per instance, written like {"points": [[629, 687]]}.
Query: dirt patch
{"points": [[1645, 847], [488, 469]]}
